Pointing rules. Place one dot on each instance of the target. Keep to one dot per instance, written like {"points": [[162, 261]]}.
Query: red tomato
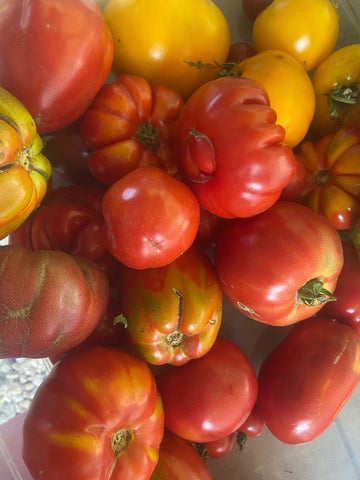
{"points": [[111, 422], [252, 8], [56, 44], [229, 148], [210, 226], [306, 380], [173, 313], [178, 460], [346, 309], [129, 125], [254, 425], [210, 397], [50, 301], [280, 266], [150, 218], [218, 448], [239, 51]]}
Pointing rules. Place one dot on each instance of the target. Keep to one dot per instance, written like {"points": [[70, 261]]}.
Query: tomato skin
{"points": [[57, 94], [254, 424], [128, 125], [159, 47], [189, 291], [239, 51], [210, 226], [178, 459], [306, 380], [150, 218], [210, 397], [252, 8], [296, 244], [269, 68], [221, 119], [346, 309], [332, 166], [337, 79], [59, 299], [101, 393], [221, 447], [305, 29]]}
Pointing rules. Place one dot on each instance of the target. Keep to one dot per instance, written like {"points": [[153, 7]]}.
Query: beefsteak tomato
{"points": [[50, 301], [230, 150], [150, 217], [281, 266], [306, 380], [173, 313], [111, 423], [210, 397], [48, 48]]}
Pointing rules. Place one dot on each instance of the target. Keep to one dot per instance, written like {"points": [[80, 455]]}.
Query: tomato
{"points": [[50, 301], [218, 448], [281, 266], [252, 8], [305, 29], [210, 226], [346, 309], [129, 125], [336, 83], [238, 51], [332, 184], [72, 226], [210, 397], [270, 68], [24, 169], [81, 47], [306, 380], [178, 459], [111, 423], [254, 424], [173, 313], [165, 48], [150, 218], [356, 236], [230, 150]]}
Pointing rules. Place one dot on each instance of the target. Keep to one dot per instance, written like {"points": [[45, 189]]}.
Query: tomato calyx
{"points": [[121, 440], [241, 439], [313, 293], [226, 69], [340, 99], [148, 135]]}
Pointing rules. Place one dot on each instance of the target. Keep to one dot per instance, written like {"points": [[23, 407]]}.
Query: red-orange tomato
{"points": [[307, 379], [111, 422], [332, 183], [173, 313], [219, 448], [254, 424]]}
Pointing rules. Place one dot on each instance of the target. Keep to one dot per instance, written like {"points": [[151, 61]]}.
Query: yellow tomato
{"points": [[165, 41], [306, 29], [336, 83], [289, 89]]}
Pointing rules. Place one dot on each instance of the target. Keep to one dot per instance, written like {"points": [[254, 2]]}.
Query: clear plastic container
{"points": [[332, 456]]}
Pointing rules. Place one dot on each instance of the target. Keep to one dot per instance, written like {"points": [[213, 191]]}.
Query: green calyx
{"points": [[341, 98], [313, 293]]}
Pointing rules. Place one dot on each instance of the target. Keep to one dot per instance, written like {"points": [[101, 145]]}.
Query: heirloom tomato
{"points": [[209, 397], [306, 380], [269, 68], [157, 41], [150, 218], [305, 29], [50, 301], [332, 178], [281, 266], [24, 169], [74, 226], [230, 150], [129, 125], [111, 422], [173, 313], [346, 309], [48, 48], [336, 84], [178, 460]]}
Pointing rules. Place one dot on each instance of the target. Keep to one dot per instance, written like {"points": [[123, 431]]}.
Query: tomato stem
{"points": [[322, 177], [226, 69], [340, 99], [148, 135], [241, 439], [314, 294], [120, 441]]}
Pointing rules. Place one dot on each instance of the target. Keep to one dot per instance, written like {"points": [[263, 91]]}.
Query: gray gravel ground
{"points": [[19, 379]]}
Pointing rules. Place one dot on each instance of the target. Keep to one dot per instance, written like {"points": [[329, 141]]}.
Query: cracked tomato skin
{"points": [[229, 148], [150, 217], [111, 423], [50, 301], [173, 313], [306, 380], [81, 48], [266, 264]]}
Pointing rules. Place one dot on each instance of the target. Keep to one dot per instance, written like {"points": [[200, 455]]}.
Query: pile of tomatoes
{"points": [[148, 173]]}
